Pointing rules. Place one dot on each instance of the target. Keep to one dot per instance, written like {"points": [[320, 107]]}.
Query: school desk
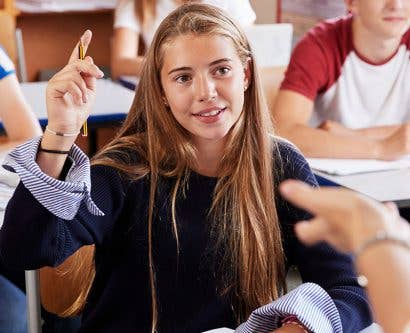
{"points": [[389, 185], [111, 106]]}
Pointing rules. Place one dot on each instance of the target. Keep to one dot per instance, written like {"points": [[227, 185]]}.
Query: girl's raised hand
{"points": [[71, 92]]}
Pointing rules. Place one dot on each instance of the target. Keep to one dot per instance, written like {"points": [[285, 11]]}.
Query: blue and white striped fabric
{"points": [[62, 198], [6, 65], [310, 303]]}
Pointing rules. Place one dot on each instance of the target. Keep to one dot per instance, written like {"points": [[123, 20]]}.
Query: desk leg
{"points": [[33, 301]]}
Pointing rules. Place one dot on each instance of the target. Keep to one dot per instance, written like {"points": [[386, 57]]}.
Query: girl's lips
{"points": [[211, 116], [209, 111], [394, 19]]}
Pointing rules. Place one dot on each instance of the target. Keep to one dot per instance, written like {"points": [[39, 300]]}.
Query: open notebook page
{"points": [[343, 167]]}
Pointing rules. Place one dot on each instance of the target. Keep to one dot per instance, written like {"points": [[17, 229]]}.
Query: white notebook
{"points": [[343, 167]]}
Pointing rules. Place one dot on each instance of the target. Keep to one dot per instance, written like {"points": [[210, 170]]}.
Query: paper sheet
{"points": [[343, 167]]}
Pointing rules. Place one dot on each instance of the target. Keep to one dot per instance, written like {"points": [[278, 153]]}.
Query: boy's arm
{"points": [[376, 132], [291, 115]]}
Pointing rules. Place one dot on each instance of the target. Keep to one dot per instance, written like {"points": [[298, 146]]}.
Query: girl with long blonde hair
{"points": [[135, 22], [188, 228]]}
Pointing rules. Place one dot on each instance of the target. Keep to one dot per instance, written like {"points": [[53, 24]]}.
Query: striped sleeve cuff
{"points": [[311, 304], [61, 198]]}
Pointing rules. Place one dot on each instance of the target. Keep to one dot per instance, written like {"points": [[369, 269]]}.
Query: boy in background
{"points": [[346, 92]]}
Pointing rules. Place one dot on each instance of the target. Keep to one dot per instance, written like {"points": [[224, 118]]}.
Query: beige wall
{"points": [[265, 10]]}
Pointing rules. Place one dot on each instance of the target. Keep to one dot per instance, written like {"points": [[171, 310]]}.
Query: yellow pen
{"points": [[81, 55]]}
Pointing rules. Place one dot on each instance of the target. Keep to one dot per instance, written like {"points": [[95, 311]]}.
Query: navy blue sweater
{"points": [[120, 298]]}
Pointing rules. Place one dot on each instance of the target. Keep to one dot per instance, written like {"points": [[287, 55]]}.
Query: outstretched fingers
{"points": [[322, 202], [85, 40]]}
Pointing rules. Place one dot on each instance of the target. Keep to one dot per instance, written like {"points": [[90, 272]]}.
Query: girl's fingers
{"points": [[78, 80], [86, 40], [392, 207], [331, 203], [63, 87], [91, 80], [63, 83], [313, 231], [320, 230], [84, 69], [307, 197], [89, 59]]}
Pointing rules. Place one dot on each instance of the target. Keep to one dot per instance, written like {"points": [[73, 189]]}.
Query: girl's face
{"points": [[385, 18], [204, 82]]}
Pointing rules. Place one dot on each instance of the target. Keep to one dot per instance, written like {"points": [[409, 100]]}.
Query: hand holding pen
{"points": [[71, 92], [81, 56]]}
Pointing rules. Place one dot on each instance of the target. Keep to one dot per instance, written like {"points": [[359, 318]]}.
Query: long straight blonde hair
{"points": [[243, 212]]}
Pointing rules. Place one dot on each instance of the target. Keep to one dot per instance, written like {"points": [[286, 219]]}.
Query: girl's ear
{"points": [[248, 73]]}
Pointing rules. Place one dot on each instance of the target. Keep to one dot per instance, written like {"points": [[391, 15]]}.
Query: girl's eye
{"points": [[223, 70], [182, 78]]}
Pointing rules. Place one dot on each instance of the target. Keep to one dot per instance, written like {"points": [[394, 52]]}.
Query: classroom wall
{"points": [[265, 10]]}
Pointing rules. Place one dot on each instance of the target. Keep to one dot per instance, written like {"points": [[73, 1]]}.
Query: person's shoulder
{"points": [[290, 162], [330, 38], [331, 29], [287, 150], [317, 60], [6, 65]]}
